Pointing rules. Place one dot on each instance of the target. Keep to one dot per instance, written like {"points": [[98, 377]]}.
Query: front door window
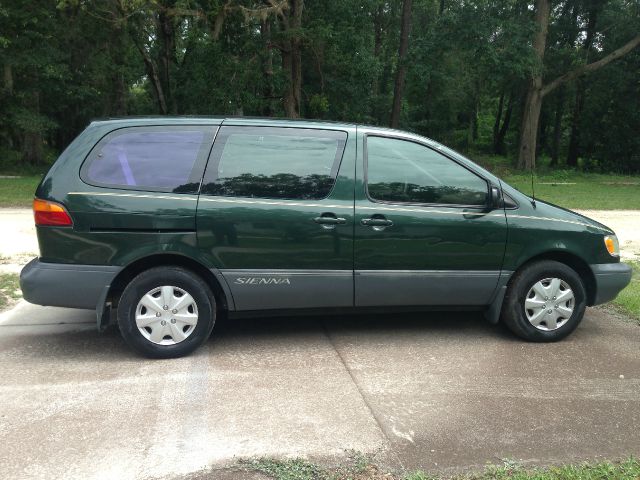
{"points": [[401, 171]]}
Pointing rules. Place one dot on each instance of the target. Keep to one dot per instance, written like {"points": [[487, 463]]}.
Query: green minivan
{"points": [[162, 224]]}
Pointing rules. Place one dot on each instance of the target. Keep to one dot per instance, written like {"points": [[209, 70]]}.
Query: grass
{"points": [[298, 469], [9, 289], [628, 301], [18, 192], [582, 191], [570, 188]]}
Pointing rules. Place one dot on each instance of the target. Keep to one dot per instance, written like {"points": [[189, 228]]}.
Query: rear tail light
{"points": [[50, 213]]}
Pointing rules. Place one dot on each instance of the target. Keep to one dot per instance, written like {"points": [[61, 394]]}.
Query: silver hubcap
{"points": [[549, 304], [166, 315]]}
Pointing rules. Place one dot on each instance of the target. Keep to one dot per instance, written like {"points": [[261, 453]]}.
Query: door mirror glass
{"points": [[494, 199]]}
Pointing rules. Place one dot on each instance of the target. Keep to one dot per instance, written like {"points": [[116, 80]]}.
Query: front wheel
{"points": [[166, 312], [545, 302]]}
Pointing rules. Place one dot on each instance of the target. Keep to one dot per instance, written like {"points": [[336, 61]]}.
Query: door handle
{"points": [[329, 220], [376, 222]]}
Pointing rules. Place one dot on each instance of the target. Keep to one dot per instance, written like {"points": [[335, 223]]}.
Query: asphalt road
{"points": [[431, 391]]}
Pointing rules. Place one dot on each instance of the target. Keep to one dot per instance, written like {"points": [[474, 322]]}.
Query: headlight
{"points": [[613, 247]]}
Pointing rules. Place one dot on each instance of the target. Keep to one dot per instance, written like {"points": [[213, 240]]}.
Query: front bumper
{"points": [[611, 278], [65, 285]]}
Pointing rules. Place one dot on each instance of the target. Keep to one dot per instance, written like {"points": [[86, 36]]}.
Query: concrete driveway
{"points": [[431, 391]]}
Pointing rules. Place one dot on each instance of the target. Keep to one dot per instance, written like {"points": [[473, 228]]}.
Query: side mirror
{"points": [[495, 199]]}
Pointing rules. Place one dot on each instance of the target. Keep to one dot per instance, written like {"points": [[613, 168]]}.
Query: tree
{"points": [[461, 78], [291, 52], [401, 72], [592, 14], [537, 90]]}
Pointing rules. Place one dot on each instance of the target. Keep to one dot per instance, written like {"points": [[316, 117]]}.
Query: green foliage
{"points": [[627, 470], [67, 62], [298, 469]]}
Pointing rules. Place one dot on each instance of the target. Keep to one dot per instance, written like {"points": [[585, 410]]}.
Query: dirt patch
{"points": [[10, 292], [23, 240], [626, 224]]}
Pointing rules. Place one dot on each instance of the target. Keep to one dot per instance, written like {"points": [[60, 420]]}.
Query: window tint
{"points": [[266, 162], [158, 158], [403, 171]]}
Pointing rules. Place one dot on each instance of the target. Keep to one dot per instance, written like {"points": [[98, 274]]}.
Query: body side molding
{"points": [[256, 289]]}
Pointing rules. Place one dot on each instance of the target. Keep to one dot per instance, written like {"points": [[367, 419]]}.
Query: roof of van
{"points": [[216, 120]]}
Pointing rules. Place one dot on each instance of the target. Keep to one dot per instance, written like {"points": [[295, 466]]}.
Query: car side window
{"points": [[268, 162], [407, 172], [165, 159]]}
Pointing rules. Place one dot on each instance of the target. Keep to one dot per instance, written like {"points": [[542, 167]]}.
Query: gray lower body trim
{"points": [[284, 289], [425, 287], [65, 285], [611, 278]]}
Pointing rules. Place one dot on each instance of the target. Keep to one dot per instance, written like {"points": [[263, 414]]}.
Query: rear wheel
{"points": [[545, 302], [166, 312]]}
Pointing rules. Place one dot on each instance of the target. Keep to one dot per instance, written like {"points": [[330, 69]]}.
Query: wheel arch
{"points": [[573, 261], [221, 294]]}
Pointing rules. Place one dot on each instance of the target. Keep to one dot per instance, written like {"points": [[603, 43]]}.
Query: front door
{"points": [[275, 215], [423, 233]]}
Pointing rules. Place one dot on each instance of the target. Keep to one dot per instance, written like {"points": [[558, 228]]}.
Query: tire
{"points": [[529, 309], [143, 302]]}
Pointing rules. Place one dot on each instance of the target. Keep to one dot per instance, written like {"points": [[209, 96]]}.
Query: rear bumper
{"points": [[611, 278], [62, 285]]}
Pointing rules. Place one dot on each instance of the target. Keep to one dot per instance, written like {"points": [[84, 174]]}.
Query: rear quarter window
{"points": [[165, 159]]}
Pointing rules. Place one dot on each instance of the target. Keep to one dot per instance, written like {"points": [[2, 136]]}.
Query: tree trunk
{"points": [[167, 56], [401, 73], [119, 50], [473, 120], [500, 131], [529, 131], [378, 30], [496, 124], [215, 25], [292, 58], [541, 143], [8, 78], [267, 67], [533, 103], [474, 114], [32, 152], [557, 129], [574, 139], [154, 77], [574, 147]]}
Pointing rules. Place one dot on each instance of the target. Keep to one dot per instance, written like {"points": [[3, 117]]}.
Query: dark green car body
{"points": [[342, 251]]}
